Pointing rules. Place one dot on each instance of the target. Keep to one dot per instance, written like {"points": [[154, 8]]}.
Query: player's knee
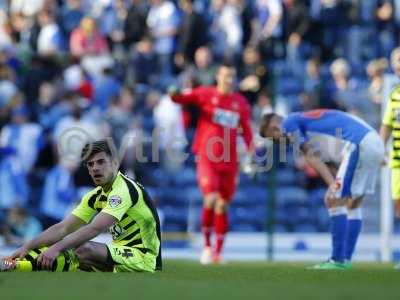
{"points": [[84, 251], [354, 203], [209, 200], [331, 202], [221, 206]]}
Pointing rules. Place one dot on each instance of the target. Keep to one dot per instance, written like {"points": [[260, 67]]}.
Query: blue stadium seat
{"points": [[286, 176], [289, 195], [185, 176], [289, 86]]}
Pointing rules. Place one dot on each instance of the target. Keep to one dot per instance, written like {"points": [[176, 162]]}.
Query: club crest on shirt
{"points": [[114, 201]]}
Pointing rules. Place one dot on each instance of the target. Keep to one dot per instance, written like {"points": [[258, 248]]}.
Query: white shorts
{"points": [[360, 166]]}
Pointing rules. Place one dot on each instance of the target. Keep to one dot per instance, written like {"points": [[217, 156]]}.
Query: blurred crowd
{"points": [[101, 68]]}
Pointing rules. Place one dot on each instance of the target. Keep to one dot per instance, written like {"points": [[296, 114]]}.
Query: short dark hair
{"points": [[265, 120], [92, 148], [227, 64]]}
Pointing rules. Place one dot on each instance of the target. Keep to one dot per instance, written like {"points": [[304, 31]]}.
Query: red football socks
{"points": [[221, 228], [207, 219]]}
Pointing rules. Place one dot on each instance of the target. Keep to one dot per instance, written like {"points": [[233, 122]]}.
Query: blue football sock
{"points": [[338, 217], [354, 224]]}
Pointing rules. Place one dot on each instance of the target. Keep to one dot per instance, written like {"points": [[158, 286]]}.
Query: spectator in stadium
{"points": [[50, 40], [59, 193], [23, 136], [87, 39], [71, 15], [229, 22], [345, 91], [253, 74], [8, 91], [14, 187], [163, 21], [222, 112], [189, 37], [5, 32], [120, 114], [135, 27], [391, 127], [386, 27], [106, 87], [172, 140], [143, 66], [297, 29], [20, 227], [314, 87], [375, 71], [116, 203], [358, 150], [270, 28], [204, 67], [262, 106]]}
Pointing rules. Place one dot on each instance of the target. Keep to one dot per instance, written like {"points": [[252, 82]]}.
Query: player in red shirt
{"points": [[223, 114]]}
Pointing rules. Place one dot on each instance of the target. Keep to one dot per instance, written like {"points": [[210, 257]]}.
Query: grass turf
{"points": [[189, 280]]}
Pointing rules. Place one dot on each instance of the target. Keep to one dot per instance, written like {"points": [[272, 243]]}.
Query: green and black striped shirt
{"points": [[138, 225]]}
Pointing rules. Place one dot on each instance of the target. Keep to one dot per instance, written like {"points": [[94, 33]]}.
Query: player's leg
{"points": [[208, 185], [227, 188], [94, 256], [354, 225], [221, 226], [371, 154], [129, 259], [66, 261], [336, 204], [396, 195]]}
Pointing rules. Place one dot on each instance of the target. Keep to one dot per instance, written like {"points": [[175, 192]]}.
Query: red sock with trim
{"points": [[207, 218], [221, 228]]}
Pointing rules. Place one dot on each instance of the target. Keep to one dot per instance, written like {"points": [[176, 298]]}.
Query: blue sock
{"points": [[338, 232], [354, 224]]}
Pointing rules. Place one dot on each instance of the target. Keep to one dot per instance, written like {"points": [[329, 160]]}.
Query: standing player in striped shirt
{"points": [[118, 204], [391, 127]]}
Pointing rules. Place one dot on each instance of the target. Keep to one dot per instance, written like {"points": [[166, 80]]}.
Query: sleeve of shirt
{"points": [[83, 211], [387, 117], [293, 130], [188, 97], [117, 204]]}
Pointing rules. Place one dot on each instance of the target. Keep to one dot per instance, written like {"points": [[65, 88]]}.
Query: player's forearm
{"points": [[48, 237], [317, 164], [78, 238], [385, 133]]}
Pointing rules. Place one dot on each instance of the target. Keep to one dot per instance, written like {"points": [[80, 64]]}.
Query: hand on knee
{"points": [[354, 203]]}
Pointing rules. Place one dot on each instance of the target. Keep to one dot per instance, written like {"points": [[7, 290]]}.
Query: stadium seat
{"points": [[289, 86]]}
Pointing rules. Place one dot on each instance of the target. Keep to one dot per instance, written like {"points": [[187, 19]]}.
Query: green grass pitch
{"points": [[189, 280]]}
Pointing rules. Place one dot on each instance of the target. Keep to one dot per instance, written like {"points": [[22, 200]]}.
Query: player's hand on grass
{"points": [[45, 259], [19, 253]]}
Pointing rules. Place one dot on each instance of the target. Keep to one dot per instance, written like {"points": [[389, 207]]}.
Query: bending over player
{"points": [[118, 204], [330, 135]]}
